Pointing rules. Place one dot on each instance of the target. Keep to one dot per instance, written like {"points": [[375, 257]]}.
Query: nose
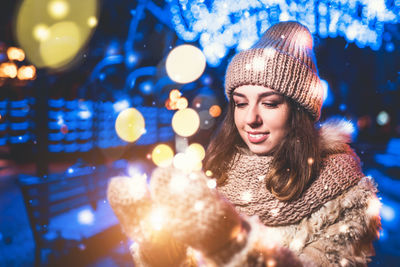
{"points": [[253, 118]]}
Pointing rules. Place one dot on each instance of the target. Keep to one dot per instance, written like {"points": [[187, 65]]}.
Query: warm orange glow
{"points": [[182, 103], [26, 73], [8, 70], [15, 53], [174, 95], [215, 111]]}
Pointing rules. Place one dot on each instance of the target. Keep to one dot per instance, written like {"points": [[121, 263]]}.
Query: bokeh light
{"points": [[157, 218], [26, 73], [206, 121], [174, 95], [185, 122], [8, 70], [162, 155], [86, 217], [130, 125], [185, 64], [62, 44], [58, 9], [182, 103], [41, 32], [215, 111], [187, 162], [14, 53], [92, 21], [382, 118], [52, 33], [197, 150]]}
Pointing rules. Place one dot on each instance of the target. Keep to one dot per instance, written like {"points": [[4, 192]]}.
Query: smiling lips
{"points": [[256, 138]]}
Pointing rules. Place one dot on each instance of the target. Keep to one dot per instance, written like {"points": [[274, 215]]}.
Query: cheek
{"points": [[278, 121]]}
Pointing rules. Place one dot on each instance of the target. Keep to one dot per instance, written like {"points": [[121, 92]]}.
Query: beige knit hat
{"points": [[282, 60]]}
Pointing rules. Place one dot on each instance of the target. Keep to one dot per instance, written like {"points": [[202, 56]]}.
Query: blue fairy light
{"points": [[238, 24]]}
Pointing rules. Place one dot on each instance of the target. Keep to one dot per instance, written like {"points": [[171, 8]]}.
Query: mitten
{"points": [[131, 202], [197, 215], [202, 219]]}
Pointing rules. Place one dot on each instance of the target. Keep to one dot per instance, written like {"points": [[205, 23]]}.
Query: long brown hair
{"points": [[296, 160]]}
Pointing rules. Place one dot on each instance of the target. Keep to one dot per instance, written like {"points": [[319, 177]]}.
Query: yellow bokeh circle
{"points": [[130, 125], [63, 43], [197, 150], [162, 155], [185, 122], [185, 63], [53, 33]]}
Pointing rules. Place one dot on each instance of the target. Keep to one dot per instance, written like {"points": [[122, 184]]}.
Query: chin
{"points": [[260, 151]]}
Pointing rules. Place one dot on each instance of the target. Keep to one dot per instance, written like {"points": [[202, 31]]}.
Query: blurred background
{"points": [[99, 88]]}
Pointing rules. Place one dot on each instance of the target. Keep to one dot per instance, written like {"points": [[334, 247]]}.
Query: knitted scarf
{"points": [[245, 188]]}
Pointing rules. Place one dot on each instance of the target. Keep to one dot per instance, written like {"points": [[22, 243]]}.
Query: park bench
{"points": [[49, 198]]}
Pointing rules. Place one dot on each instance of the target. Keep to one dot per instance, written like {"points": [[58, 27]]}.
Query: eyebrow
{"points": [[265, 94]]}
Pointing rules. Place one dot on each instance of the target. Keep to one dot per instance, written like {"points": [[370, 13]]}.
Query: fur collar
{"points": [[335, 136]]}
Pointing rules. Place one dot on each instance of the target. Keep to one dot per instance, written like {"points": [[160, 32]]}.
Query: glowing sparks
{"points": [[374, 206], [209, 173], [199, 205], [157, 218], [212, 183], [258, 64], [271, 263], [344, 228], [246, 196], [274, 212], [310, 161], [344, 262], [296, 244]]}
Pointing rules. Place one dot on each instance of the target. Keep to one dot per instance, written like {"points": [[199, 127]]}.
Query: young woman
{"points": [[289, 193]]}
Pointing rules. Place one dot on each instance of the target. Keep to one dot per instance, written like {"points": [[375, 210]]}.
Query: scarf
{"points": [[245, 188]]}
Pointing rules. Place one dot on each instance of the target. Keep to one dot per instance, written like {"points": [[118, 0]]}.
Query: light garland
{"points": [[220, 25]]}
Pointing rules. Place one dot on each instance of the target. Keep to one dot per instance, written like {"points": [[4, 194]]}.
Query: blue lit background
{"points": [[70, 128]]}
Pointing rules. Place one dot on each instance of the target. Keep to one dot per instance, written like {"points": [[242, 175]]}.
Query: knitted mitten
{"points": [[131, 202], [197, 215], [202, 219]]}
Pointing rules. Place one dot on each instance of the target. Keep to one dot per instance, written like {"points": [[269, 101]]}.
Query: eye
{"points": [[270, 105], [240, 105]]}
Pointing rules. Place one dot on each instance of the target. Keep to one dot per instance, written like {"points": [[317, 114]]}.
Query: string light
{"points": [[221, 25]]}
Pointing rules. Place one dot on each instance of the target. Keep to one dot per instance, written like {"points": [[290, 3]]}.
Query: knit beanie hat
{"points": [[282, 60]]}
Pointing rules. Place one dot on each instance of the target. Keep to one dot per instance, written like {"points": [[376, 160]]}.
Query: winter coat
{"points": [[336, 231]]}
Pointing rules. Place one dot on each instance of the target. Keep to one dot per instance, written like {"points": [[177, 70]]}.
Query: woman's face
{"points": [[261, 117]]}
